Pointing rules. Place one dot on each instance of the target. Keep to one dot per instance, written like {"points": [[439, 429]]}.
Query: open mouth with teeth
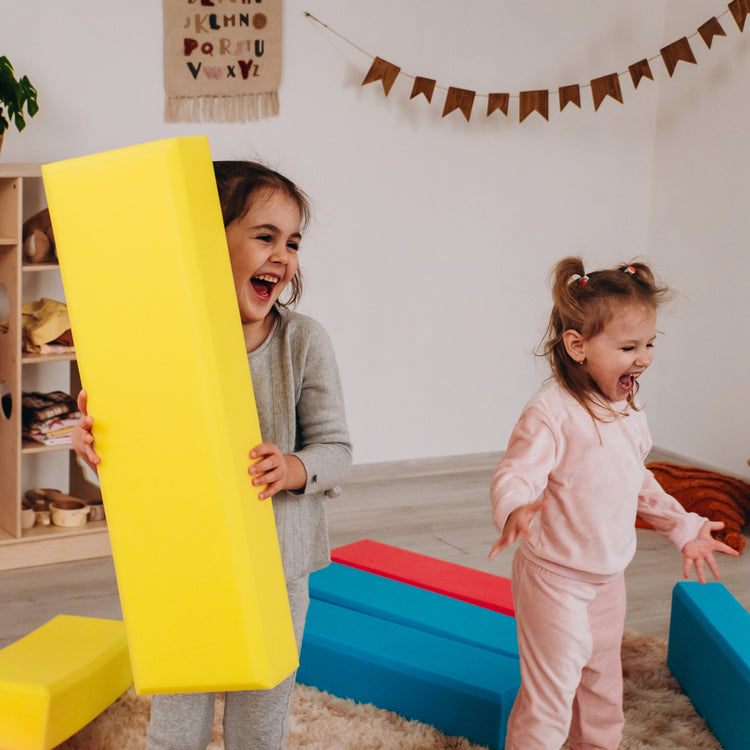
{"points": [[627, 382], [264, 285]]}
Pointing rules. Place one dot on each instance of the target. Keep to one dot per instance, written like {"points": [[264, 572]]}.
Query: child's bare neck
{"points": [[256, 332]]}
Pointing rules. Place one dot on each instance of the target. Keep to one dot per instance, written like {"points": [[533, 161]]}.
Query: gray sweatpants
{"points": [[253, 719]]}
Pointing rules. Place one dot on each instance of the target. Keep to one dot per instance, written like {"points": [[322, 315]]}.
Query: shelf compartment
{"points": [[21, 196], [31, 267], [42, 545], [35, 359], [31, 446]]}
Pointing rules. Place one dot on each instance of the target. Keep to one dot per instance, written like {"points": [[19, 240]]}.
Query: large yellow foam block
{"points": [[58, 678], [159, 342]]}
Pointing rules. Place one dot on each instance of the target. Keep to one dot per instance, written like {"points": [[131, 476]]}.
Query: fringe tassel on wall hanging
{"points": [[221, 108]]}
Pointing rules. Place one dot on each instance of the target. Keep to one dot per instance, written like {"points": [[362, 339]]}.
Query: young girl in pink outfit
{"points": [[569, 486]]}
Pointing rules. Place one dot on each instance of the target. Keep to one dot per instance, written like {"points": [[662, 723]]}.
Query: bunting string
{"points": [[538, 101]]}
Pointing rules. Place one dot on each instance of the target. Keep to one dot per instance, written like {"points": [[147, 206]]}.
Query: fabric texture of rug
{"points": [[658, 715]]}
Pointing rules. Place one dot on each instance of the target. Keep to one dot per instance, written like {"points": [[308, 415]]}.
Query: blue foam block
{"points": [[416, 607], [460, 689], [709, 655]]}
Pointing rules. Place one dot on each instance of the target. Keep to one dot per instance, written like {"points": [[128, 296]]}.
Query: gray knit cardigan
{"points": [[301, 409]]}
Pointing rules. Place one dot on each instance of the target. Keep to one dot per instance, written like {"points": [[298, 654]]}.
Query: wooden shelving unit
{"points": [[21, 196]]}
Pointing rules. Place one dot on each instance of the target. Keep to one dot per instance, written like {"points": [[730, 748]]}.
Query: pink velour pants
{"points": [[569, 640]]}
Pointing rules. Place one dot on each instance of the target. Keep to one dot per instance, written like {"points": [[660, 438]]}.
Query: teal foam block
{"points": [[415, 607], [709, 655], [460, 689]]}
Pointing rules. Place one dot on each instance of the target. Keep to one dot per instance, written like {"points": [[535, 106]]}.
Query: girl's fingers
{"points": [[699, 570], [504, 541], [713, 567], [497, 548], [82, 401], [264, 449], [263, 467], [726, 549], [271, 489]]}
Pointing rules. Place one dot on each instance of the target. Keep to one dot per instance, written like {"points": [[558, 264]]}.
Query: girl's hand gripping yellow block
{"points": [[160, 349]]}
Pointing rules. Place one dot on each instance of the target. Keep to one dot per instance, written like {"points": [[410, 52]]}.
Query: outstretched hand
{"points": [[519, 522], [701, 549]]}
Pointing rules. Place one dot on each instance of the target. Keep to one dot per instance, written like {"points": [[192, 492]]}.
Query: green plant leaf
{"points": [[5, 66], [14, 95], [29, 91]]}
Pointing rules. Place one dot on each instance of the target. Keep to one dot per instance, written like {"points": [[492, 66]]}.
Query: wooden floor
{"points": [[438, 507]]}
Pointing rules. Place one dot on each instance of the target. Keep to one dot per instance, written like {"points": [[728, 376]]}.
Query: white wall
{"points": [[699, 231], [433, 237]]}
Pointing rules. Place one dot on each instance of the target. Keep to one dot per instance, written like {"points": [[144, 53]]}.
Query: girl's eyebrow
{"points": [[633, 342], [274, 230]]}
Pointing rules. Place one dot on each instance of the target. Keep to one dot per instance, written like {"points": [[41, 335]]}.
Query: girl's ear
{"points": [[573, 341]]}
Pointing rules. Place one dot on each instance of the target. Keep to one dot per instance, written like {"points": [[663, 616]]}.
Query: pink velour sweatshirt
{"points": [[593, 487]]}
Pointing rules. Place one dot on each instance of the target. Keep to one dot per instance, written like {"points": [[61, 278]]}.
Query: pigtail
{"points": [[646, 285], [568, 279], [570, 289]]}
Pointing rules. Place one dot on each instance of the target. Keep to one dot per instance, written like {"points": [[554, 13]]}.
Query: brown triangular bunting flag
{"points": [[570, 95], [382, 70], [534, 101], [673, 53], [498, 101], [459, 99], [739, 9], [606, 86], [639, 70], [710, 29], [424, 86]]}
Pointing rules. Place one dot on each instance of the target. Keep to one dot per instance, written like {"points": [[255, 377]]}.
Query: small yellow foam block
{"points": [[154, 315], [58, 678]]}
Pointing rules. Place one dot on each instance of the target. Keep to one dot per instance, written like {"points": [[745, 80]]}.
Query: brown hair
{"points": [[586, 303], [238, 181]]}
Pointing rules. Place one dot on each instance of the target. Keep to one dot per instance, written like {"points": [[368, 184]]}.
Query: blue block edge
{"points": [[731, 631], [415, 607]]}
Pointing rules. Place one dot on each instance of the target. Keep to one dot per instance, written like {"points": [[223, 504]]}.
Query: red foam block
{"points": [[457, 581]]}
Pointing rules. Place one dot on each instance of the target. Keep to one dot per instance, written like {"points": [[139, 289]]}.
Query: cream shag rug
{"points": [[658, 715]]}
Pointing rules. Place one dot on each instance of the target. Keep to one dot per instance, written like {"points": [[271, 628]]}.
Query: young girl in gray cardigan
{"points": [[306, 446]]}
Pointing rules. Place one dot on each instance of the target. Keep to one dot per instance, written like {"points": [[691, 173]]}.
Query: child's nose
{"points": [[644, 358], [279, 252]]}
